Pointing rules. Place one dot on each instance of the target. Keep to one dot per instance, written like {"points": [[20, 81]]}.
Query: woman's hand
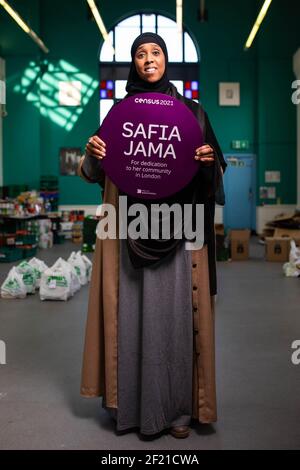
{"points": [[205, 154], [96, 147]]}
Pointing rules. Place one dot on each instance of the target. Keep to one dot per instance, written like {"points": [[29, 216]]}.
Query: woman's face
{"points": [[150, 62]]}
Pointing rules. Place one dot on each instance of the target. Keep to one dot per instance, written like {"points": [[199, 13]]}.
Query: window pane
{"points": [[125, 34], [148, 23], [190, 51], [120, 91], [179, 85], [124, 38], [131, 22], [106, 54], [105, 106], [167, 29]]}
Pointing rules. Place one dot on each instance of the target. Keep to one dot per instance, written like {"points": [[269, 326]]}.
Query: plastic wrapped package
{"points": [[13, 287], [28, 276], [78, 263], [75, 282], [46, 240], [39, 267], [56, 284], [88, 266]]}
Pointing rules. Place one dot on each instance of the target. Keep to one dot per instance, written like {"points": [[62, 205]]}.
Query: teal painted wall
{"points": [[266, 117]]}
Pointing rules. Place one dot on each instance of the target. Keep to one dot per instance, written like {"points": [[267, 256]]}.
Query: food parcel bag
{"points": [[79, 265], [28, 276], [39, 267], [55, 284], [13, 287], [75, 283], [88, 266]]}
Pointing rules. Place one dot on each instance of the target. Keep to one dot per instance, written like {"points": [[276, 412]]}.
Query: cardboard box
{"points": [[283, 216], [277, 249], [239, 241], [286, 233]]}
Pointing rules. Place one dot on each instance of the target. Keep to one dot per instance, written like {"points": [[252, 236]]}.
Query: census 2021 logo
{"points": [[2, 353]]}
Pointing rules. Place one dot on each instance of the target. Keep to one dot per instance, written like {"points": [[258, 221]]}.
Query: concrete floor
{"points": [[258, 318]]}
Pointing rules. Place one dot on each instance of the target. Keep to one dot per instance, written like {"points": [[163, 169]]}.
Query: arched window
{"points": [[183, 58]]}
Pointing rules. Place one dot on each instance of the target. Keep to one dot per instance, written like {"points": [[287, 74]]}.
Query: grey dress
{"points": [[155, 343]]}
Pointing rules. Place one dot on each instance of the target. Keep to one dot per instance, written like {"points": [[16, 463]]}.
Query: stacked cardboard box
{"points": [[239, 243], [278, 235], [277, 249]]}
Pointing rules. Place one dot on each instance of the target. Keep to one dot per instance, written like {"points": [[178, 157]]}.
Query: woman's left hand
{"points": [[205, 154]]}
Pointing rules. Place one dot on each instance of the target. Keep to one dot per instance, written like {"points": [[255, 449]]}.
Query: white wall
{"points": [[266, 214], [89, 209]]}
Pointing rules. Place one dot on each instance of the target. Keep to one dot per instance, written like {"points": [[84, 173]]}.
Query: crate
{"points": [[58, 238], [87, 248], [14, 190], [49, 183], [51, 200], [27, 239], [29, 252], [55, 221], [7, 239], [89, 230], [9, 255], [223, 254], [222, 251]]}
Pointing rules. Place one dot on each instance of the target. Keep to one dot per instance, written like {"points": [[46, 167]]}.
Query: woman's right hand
{"points": [[96, 147]]}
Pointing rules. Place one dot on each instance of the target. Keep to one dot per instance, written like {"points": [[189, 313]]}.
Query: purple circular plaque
{"points": [[151, 140]]}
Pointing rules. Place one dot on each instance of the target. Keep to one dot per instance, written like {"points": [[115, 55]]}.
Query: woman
{"points": [[149, 348]]}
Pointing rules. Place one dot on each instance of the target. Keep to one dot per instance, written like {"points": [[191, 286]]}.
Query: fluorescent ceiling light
{"points": [[257, 23], [23, 25], [179, 15], [99, 22]]}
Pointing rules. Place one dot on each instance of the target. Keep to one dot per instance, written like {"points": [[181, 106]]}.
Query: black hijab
{"points": [[135, 84]]}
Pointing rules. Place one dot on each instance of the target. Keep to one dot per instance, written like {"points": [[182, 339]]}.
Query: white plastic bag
{"points": [[294, 256], [88, 266], [80, 267], [28, 276], [55, 284], [13, 287], [45, 225], [39, 267], [291, 270], [46, 240], [75, 283]]}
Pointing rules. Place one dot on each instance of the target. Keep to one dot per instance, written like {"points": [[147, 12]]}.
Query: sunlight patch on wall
{"points": [[60, 91]]}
